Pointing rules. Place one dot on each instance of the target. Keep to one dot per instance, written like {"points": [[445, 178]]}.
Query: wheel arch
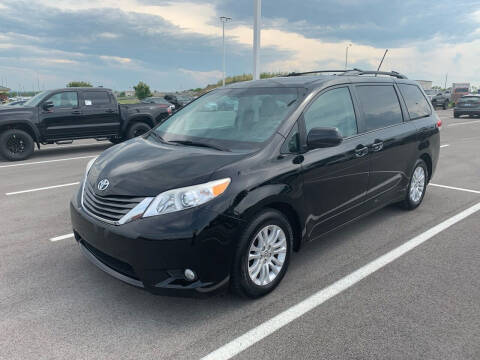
{"points": [[147, 119], [272, 197], [428, 161], [25, 126]]}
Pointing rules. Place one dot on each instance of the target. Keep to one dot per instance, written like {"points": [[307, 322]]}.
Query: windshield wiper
{"points": [[159, 137], [198, 143]]}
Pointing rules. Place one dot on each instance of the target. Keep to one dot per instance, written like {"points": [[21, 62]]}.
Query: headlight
{"points": [[186, 198]]}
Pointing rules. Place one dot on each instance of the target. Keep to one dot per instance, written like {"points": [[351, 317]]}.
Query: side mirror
{"points": [[323, 138], [47, 105]]}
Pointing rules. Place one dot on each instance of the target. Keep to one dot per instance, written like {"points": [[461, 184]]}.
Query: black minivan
{"points": [[224, 190]]}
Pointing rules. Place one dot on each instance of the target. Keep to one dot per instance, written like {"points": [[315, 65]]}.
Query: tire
{"points": [[267, 222], [16, 145], [445, 106], [137, 129], [413, 199], [456, 116]]}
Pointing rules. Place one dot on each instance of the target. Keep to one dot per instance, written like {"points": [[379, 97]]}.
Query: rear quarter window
{"points": [[417, 105], [380, 106]]}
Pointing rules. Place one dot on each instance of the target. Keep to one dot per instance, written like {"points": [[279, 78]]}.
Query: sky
{"points": [[176, 45]]}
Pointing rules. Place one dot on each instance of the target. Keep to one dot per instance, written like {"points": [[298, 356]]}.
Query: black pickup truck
{"points": [[63, 115]]}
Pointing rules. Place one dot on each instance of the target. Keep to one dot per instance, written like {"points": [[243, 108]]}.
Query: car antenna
{"points": [[381, 62]]}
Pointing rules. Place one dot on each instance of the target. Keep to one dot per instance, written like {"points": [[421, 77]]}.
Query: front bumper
{"points": [[153, 253]]}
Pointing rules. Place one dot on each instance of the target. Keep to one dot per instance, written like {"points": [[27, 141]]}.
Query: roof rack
{"points": [[372, 72], [352, 72], [317, 72]]}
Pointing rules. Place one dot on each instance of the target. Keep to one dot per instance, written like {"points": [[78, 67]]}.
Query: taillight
{"points": [[169, 110], [439, 123]]}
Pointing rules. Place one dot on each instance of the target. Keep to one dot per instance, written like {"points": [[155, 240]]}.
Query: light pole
{"points": [[224, 19], [257, 18], [346, 55]]}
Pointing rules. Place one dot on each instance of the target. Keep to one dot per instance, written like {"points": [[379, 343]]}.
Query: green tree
{"points": [[79, 84], [142, 90], [122, 94]]}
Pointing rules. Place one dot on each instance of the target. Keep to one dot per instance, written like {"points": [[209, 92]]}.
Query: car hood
{"points": [[143, 167], [7, 110]]}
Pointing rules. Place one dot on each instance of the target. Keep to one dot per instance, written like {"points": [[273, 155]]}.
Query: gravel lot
{"points": [[54, 304]]}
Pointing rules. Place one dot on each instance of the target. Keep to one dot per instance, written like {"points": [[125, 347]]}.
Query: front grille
{"points": [[110, 208], [117, 265]]}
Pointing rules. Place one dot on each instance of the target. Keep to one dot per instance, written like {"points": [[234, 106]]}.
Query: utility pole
{"points": [[446, 77], [224, 19], [346, 55], [257, 18]]}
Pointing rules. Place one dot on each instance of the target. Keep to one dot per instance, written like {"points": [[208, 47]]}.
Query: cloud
{"points": [[116, 59], [204, 77]]}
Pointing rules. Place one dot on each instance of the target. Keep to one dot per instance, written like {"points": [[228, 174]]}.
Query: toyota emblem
{"points": [[103, 184]]}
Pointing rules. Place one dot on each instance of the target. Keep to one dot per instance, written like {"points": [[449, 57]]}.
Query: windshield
{"points": [[239, 119], [473, 99], [34, 101]]}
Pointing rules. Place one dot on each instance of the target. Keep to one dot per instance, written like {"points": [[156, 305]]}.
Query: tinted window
{"points": [[380, 106], [416, 103], [95, 98], [332, 109], [66, 99]]}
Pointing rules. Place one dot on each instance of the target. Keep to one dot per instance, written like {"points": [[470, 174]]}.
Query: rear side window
{"points": [[333, 108], [416, 103], [380, 106], [96, 98]]}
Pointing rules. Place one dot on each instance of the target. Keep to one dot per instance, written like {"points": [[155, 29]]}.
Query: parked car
{"points": [[459, 90], [442, 99], [158, 100], [17, 103], [177, 100], [214, 196], [430, 93], [467, 105], [73, 113]]}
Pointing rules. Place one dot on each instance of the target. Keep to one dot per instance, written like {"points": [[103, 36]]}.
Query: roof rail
{"points": [[317, 72], [372, 72]]}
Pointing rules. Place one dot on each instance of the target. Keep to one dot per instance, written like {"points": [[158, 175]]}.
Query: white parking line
{"points": [[446, 145], [62, 237], [47, 161], [465, 123], [42, 188], [455, 188], [269, 327]]}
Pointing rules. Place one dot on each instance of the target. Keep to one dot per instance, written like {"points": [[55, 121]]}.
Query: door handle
{"points": [[377, 145], [361, 151], [76, 112]]}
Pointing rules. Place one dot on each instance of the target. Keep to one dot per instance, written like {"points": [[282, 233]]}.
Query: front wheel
{"points": [[416, 187], [16, 145], [262, 255]]}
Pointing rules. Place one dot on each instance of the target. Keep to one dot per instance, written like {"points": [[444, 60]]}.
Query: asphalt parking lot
{"points": [[54, 304]]}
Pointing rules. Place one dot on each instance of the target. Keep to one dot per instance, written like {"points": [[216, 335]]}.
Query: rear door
{"points": [[101, 113], [336, 178], [391, 141], [63, 119]]}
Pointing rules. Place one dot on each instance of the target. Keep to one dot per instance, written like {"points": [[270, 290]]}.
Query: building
{"points": [[129, 93], [425, 84], [4, 94]]}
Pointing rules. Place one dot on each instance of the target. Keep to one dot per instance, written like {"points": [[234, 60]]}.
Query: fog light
{"points": [[189, 275]]}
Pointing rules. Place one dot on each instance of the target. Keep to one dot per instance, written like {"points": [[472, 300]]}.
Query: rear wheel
{"points": [[137, 129], [416, 187], [263, 254], [445, 106], [16, 145]]}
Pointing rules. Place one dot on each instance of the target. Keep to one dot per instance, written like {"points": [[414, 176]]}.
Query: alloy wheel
{"points": [[417, 185], [267, 254], [15, 144]]}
